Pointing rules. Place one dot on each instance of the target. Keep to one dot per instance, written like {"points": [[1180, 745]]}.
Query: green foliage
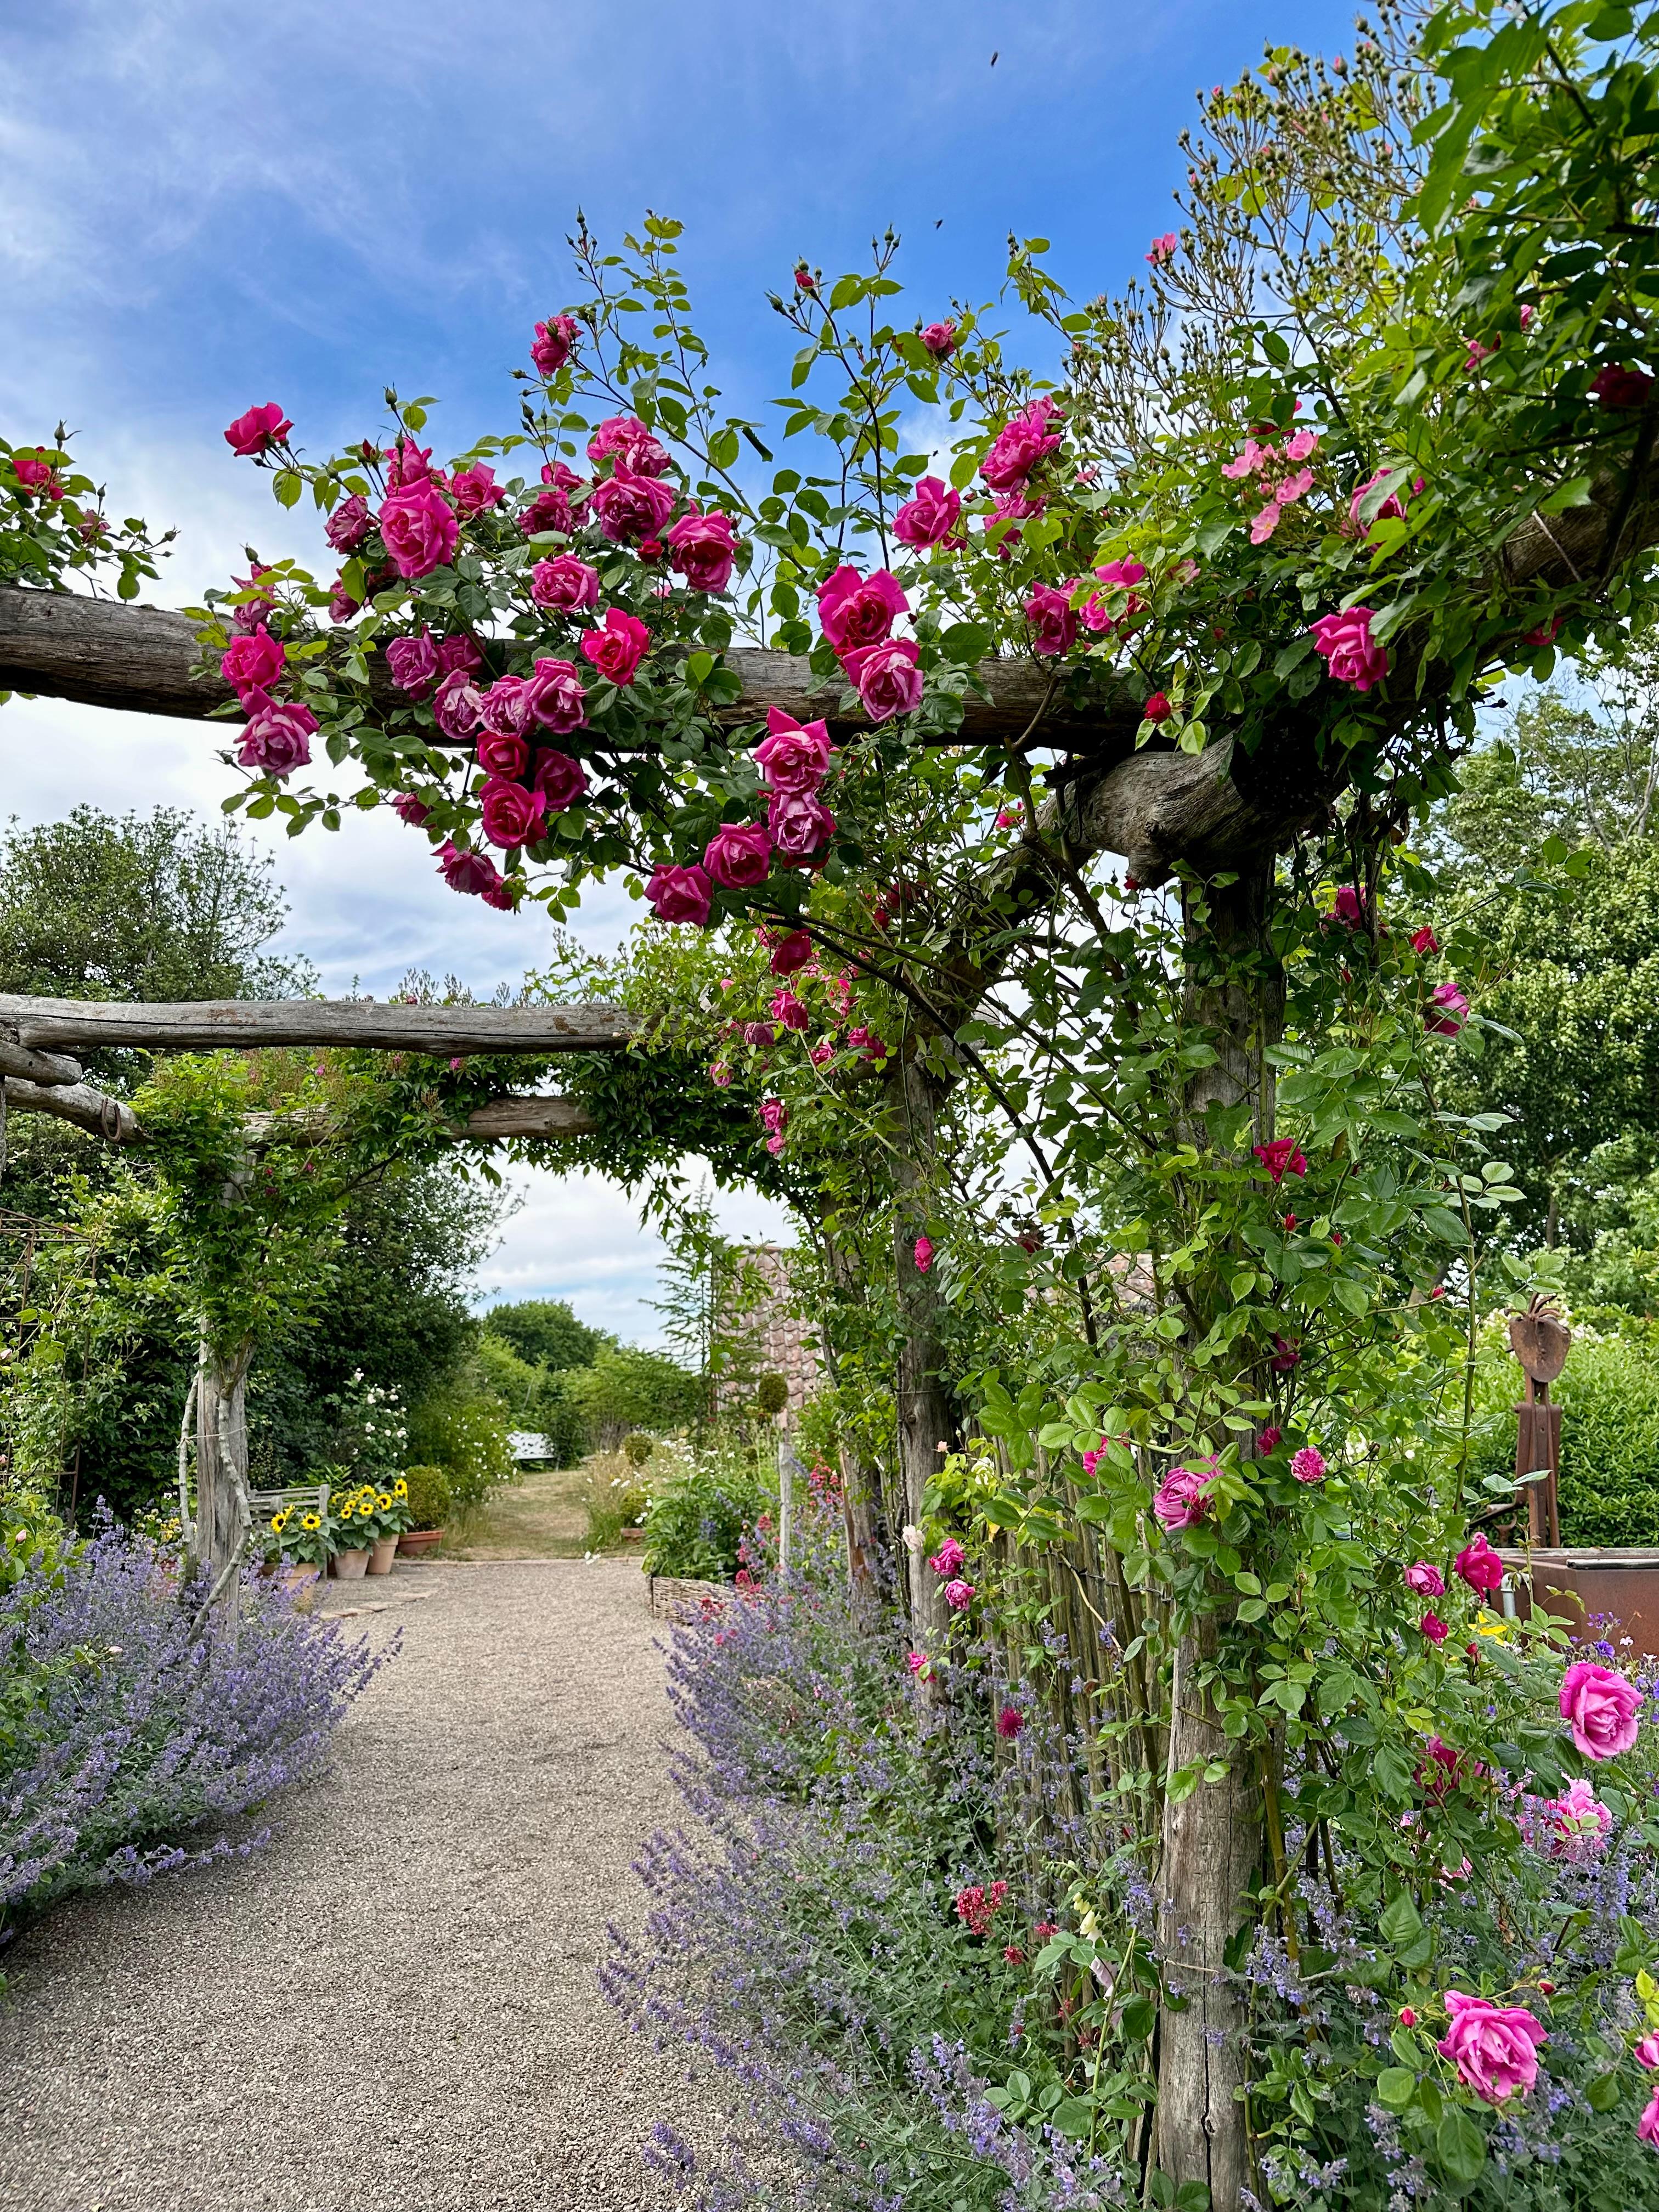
{"points": [[615, 1499], [461, 1426], [771, 1396], [697, 1518], [628, 1387], [53, 526], [637, 1448], [429, 1497], [544, 1333]]}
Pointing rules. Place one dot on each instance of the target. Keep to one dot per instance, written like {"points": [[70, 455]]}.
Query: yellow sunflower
{"points": [[346, 1510], [400, 1488], [311, 1521], [279, 1522], [384, 1502]]}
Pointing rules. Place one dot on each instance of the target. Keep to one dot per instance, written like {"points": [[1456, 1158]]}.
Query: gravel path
{"points": [[392, 2007]]}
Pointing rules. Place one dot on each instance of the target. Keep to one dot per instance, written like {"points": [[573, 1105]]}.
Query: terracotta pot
{"points": [[380, 1558], [1583, 1581], [347, 1567], [416, 1543], [299, 1574]]}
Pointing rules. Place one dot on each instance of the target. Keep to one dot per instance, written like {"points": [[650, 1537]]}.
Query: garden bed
{"points": [[673, 1597], [1590, 1585]]}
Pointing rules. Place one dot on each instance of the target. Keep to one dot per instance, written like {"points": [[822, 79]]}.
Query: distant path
{"points": [[392, 2007]]}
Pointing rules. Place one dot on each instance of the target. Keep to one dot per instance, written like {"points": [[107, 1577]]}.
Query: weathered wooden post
{"points": [[1540, 1340]]}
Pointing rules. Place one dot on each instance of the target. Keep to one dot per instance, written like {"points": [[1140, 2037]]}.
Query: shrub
{"points": [[125, 1734], [544, 1333], [627, 1387], [771, 1396], [637, 1448], [694, 1525], [464, 1430], [430, 1498]]}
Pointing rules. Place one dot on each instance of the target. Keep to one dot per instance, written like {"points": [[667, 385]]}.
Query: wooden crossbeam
{"points": [[516, 1115], [213, 1024]]}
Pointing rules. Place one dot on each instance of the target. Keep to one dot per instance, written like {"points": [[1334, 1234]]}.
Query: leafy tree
{"points": [[545, 1332], [628, 1387]]}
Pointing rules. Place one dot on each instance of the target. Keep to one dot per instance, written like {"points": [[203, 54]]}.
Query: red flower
{"points": [[1010, 1721], [1622, 387], [1281, 1157], [1157, 708]]}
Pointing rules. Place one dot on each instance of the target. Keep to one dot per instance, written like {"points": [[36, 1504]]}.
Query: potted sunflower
{"points": [[303, 1536], [352, 1533], [385, 1514]]}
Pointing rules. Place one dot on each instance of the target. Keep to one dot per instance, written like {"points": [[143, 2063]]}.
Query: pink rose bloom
{"points": [[475, 488], [560, 780], [1020, 445], [1602, 1708], [1433, 1627], [554, 697], [920, 1665], [564, 582], [886, 678], [1479, 1566], [866, 1042], [407, 462], [930, 515], [349, 524], [1012, 506], [800, 826], [1546, 633], [1392, 505], [679, 894], [1163, 249], [258, 431], [413, 662], [1293, 488], [739, 855], [1425, 1580], [1647, 2128], [856, 609], [548, 510], [1286, 1355], [701, 548], [1265, 521], [420, 530], [34, 471], [721, 1075], [1446, 1011], [789, 1010], [1350, 652], [791, 953], [1614, 387], [1282, 1158], [821, 1054], [457, 707], [474, 874], [619, 647], [958, 1595], [632, 446], [1254, 458], [250, 613], [502, 753], [1053, 621], [949, 1559], [1348, 908], [774, 1114], [1119, 575], [457, 653], [510, 815], [253, 661], [1308, 1465], [1493, 2047], [1267, 1441], [408, 808], [1182, 1496], [1646, 2053], [794, 757], [1300, 444], [627, 507], [549, 349], [923, 1254], [502, 707], [1581, 1823], [276, 739], [939, 338]]}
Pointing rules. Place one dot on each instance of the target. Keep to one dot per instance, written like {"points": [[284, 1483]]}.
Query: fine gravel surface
{"points": [[392, 2007]]}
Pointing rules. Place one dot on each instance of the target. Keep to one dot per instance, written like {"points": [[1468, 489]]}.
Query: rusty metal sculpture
{"points": [[1540, 1340]]}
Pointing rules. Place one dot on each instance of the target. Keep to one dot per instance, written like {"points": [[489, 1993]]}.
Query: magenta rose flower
{"points": [[251, 612], [739, 855], [1647, 2128], [503, 708], [923, 1254], [1479, 1566], [792, 756], [1309, 1464], [791, 953], [420, 530], [276, 739], [554, 696], [408, 808], [561, 780], [414, 662], [551, 346], [475, 488], [1425, 1580], [510, 815], [457, 707], [930, 515], [1433, 1627], [407, 462], [350, 523], [1183, 1496], [800, 826], [939, 338], [1447, 1010], [1052, 620], [1282, 1158], [1646, 2054], [701, 548], [679, 894], [958, 1595], [627, 507], [1351, 653], [564, 583], [632, 446], [253, 661], [789, 1011], [1614, 387], [548, 510], [617, 648], [1020, 445], [1493, 2047], [856, 609], [258, 431], [474, 873], [459, 652], [773, 1115], [502, 753], [886, 678], [950, 1559], [1602, 1709]]}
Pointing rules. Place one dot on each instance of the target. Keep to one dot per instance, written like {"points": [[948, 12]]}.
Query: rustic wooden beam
{"points": [[89, 1109], [211, 1025], [516, 1115], [36, 1067]]}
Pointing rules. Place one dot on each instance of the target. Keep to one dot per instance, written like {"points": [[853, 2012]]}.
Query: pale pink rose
{"points": [[1602, 1708], [1493, 2047], [1294, 488], [1300, 444], [632, 446], [930, 515], [554, 697], [1580, 1823], [1163, 249], [1350, 652], [1427, 1581], [420, 530], [1253, 459], [1264, 523], [886, 678], [564, 583], [413, 662], [958, 1595], [1182, 1496], [702, 548], [856, 609], [679, 894], [457, 705], [793, 756]]}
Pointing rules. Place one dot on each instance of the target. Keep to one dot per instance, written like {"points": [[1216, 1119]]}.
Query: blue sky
{"points": [[208, 209]]}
